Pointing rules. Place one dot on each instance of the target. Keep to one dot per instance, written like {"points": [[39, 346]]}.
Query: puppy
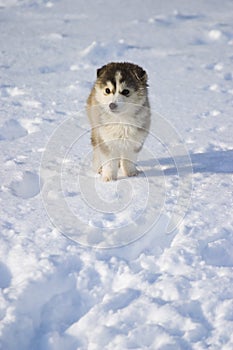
{"points": [[119, 113]]}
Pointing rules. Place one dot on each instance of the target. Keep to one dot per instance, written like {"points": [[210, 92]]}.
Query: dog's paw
{"points": [[108, 173], [133, 172], [109, 177], [129, 169]]}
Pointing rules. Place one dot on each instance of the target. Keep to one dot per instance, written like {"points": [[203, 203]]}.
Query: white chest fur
{"points": [[120, 132]]}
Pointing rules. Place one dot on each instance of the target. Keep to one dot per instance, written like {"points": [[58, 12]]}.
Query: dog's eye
{"points": [[125, 92], [107, 91]]}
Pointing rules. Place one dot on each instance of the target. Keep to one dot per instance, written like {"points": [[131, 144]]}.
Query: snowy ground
{"points": [[149, 265]]}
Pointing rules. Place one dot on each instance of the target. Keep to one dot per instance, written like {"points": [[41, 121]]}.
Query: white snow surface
{"points": [[140, 263]]}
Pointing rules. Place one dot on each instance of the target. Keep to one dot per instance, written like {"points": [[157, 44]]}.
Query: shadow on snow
{"points": [[215, 162]]}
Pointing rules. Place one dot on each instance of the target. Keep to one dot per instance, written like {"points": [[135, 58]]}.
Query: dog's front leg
{"points": [[110, 169], [97, 166], [128, 163], [109, 163]]}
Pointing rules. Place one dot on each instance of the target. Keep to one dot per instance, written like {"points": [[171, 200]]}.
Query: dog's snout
{"points": [[112, 106]]}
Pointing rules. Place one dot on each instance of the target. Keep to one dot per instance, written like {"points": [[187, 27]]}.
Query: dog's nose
{"points": [[112, 106]]}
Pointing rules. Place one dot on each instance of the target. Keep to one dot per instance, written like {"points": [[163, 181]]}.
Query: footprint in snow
{"points": [[5, 276], [27, 186], [12, 130]]}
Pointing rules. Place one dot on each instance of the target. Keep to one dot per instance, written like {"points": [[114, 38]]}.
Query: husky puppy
{"points": [[119, 113]]}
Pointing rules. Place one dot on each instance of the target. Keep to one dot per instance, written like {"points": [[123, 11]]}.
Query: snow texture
{"points": [[140, 263]]}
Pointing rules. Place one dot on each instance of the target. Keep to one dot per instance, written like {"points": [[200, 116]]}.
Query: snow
{"points": [[141, 263]]}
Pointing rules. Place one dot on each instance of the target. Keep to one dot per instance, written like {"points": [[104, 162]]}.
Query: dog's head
{"points": [[121, 87]]}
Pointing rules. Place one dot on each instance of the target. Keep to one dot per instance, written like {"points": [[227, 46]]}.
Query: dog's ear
{"points": [[140, 74], [99, 71]]}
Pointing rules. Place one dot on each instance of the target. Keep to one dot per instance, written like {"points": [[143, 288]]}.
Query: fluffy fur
{"points": [[119, 113]]}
